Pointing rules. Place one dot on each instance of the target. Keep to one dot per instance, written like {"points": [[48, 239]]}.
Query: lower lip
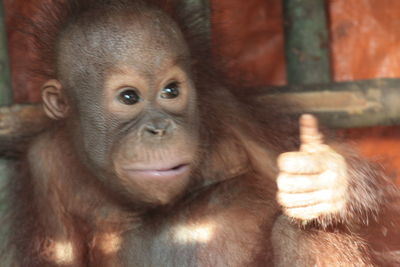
{"points": [[159, 174]]}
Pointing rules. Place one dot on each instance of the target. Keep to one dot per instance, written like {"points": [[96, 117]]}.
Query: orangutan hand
{"points": [[313, 181]]}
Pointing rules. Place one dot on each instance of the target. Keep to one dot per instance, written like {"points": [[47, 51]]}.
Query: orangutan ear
{"points": [[54, 101]]}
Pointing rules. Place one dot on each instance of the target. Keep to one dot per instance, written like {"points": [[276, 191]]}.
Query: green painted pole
{"points": [[5, 84], [307, 42], [198, 12], [5, 80], [5, 169], [201, 7]]}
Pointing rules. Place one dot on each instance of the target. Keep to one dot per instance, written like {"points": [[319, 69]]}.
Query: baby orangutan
{"points": [[152, 160]]}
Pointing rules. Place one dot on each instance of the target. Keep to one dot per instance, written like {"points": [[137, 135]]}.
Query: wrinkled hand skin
{"points": [[313, 181]]}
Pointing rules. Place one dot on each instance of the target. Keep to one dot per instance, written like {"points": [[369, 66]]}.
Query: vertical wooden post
{"points": [[5, 80], [5, 164], [307, 42], [202, 6]]}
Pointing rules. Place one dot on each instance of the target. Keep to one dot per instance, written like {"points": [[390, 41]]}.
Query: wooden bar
{"points": [[306, 42], [5, 78], [345, 104]]}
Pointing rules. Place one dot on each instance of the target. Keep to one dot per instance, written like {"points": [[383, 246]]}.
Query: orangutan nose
{"points": [[159, 128]]}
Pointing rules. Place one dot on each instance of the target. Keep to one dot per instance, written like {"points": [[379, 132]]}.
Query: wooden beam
{"points": [[306, 42], [18, 124], [343, 105]]}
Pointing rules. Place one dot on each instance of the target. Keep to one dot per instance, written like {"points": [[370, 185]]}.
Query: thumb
{"points": [[311, 138]]}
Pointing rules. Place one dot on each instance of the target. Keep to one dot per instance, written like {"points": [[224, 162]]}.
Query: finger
{"points": [[307, 199], [309, 132], [300, 163], [289, 183], [313, 212]]}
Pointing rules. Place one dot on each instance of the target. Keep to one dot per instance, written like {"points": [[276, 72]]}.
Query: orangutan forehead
{"points": [[122, 32], [146, 38]]}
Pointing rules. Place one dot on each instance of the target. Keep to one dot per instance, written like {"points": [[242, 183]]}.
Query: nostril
{"points": [[155, 131], [158, 127]]}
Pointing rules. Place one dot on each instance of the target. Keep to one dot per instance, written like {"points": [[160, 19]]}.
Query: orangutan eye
{"points": [[170, 91], [129, 97]]}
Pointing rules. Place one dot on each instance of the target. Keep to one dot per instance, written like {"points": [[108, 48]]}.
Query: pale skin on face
{"points": [[313, 181]]}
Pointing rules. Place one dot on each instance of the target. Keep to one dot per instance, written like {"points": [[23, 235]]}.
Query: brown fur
{"points": [[63, 214]]}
